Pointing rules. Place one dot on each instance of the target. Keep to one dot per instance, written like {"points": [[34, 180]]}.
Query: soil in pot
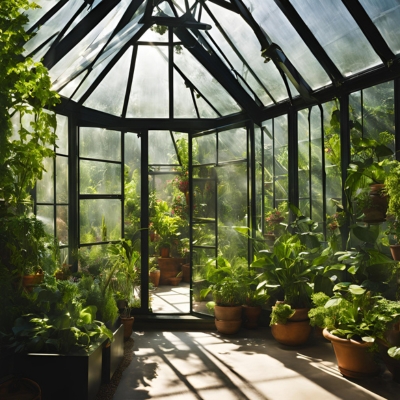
{"points": [[354, 358]]}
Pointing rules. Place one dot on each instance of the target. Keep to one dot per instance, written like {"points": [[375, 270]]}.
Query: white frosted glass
{"points": [[247, 43], [281, 32], [386, 16], [338, 34], [149, 96], [183, 101], [109, 95], [206, 84]]}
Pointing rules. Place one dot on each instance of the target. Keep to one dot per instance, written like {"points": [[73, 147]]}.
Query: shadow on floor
{"points": [[248, 365]]}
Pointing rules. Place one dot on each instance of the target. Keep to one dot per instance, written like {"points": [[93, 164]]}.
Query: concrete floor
{"points": [[248, 365]]}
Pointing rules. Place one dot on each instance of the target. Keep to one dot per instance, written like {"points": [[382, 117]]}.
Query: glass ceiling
{"points": [[202, 59]]}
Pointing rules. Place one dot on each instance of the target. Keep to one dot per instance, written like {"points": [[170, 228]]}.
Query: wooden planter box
{"points": [[63, 377], [113, 354]]}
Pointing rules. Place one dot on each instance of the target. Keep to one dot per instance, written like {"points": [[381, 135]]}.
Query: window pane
{"points": [[45, 187], [232, 145], [62, 224], [100, 220], [46, 215], [206, 152], [61, 179], [161, 148], [99, 177], [100, 144], [62, 135]]}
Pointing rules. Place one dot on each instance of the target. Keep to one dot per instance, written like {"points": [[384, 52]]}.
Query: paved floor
{"points": [[249, 365], [174, 300]]}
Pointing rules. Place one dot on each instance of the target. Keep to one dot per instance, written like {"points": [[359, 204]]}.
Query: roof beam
{"points": [[370, 31], [56, 53], [219, 71], [274, 52], [312, 43]]}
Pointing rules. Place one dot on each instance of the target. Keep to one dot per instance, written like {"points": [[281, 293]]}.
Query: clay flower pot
{"points": [[354, 358], [154, 277], [228, 320], [251, 315], [395, 251], [127, 322], [175, 281]]}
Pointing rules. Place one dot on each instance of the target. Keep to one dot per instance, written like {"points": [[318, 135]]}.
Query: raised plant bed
{"points": [[113, 354]]}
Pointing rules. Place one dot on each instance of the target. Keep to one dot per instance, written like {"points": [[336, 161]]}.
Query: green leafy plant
{"points": [[26, 95], [280, 313], [226, 284], [356, 313]]}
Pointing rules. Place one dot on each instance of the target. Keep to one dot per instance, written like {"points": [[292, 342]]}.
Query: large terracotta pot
{"points": [[354, 358], [233, 313], [164, 252], [228, 320], [251, 315], [30, 281], [293, 333]]}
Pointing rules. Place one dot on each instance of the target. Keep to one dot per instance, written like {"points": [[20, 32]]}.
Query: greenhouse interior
{"points": [[198, 199]]}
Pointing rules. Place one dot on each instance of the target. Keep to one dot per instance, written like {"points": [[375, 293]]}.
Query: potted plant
{"points": [[365, 182], [154, 276], [127, 320], [355, 319], [227, 289], [273, 221], [255, 298], [176, 280], [288, 271]]}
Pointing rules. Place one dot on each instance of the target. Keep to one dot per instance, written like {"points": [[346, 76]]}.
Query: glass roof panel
{"points": [[183, 102], [161, 147], [35, 14], [53, 26], [165, 8], [109, 95], [233, 60], [281, 32], [205, 83], [152, 36], [87, 50], [386, 16], [247, 43], [205, 110], [149, 96], [338, 34]]}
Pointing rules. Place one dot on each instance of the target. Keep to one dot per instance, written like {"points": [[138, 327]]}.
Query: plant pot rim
{"points": [[334, 338]]}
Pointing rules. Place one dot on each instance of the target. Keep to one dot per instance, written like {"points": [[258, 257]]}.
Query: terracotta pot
{"points": [[293, 333], [251, 315], [391, 363], [228, 327], [354, 358], [154, 277], [175, 281], [395, 250], [269, 237], [233, 313], [128, 326], [169, 268], [164, 252], [121, 304], [30, 281], [300, 314], [376, 213]]}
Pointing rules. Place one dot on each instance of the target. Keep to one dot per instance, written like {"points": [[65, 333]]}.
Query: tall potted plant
{"points": [[227, 288]]}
